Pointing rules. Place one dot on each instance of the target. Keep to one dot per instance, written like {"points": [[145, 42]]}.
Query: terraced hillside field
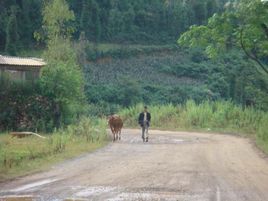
{"points": [[155, 74]]}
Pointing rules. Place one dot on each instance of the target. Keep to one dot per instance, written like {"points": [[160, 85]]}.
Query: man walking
{"points": [[144, 121]]}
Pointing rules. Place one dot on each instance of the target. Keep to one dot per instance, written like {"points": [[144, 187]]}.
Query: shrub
{"points": [[219, 115], [14, 152], [23, 107]]}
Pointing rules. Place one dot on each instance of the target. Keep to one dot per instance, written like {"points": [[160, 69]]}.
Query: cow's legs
{"points": [[114, 133], [117, 134], [114, 137]]}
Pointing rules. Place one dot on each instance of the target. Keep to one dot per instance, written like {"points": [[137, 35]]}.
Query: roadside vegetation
{"points": [[20, 156], [219, 116]]}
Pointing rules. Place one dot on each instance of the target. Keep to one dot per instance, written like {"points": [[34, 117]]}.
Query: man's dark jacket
{"points": [[141, 118]]}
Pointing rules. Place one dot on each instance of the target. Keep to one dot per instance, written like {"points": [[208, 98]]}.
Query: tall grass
{"points": [[221, 116], [17, 155], [262, 133]]}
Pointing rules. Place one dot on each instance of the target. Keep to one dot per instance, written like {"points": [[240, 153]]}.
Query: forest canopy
{"points": [[243, 25], [124, 21]]}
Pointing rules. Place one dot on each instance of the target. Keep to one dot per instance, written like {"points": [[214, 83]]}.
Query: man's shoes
{"points": [[147, 139]]}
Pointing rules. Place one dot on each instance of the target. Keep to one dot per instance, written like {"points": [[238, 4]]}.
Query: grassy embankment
{"points": [[27, 155], [224, 117]]}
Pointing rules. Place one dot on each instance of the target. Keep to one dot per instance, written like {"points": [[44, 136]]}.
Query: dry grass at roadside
{"points": [[221, 116], [20, 156]]}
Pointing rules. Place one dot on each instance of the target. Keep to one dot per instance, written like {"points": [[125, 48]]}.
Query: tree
{"points": [[57, 20], [212, 7], [96, 28], [200, 11], [85, 20], [115, 22], [29, 20], [61, 79], [105, 6], [62, 82], [25, 22], [139, 20], [3, 23], [12, 36], [243, 25], [90, 20]]}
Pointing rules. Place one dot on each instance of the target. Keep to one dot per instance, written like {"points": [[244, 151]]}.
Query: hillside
{"points": [[126, 75], [126, 51], [151, 69]]}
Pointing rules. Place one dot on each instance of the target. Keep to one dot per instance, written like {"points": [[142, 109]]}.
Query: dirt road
{"points": [[172, 166]]}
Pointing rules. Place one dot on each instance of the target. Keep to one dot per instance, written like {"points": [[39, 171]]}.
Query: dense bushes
{"points": [[40, 105], [18, 154], [222, 116], [262, 133], [129, 95], [217, 116], [23, 107], [27, 106]]}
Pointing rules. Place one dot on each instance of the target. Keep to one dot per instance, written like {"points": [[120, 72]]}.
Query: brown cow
{"points": [[116, 124]]}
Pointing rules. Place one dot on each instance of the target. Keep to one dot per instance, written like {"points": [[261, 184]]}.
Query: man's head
{"points": [[145, 108]]}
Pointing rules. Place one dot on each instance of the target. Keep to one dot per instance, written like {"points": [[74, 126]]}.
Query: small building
{"points": [[19, 68]]}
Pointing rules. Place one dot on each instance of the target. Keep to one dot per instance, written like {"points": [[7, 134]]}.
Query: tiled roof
{"points": [[20, 61]]}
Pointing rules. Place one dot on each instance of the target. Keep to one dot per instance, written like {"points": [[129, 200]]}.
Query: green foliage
{"points": [[102, 108], [210, 37], [18, 155], [166, 74], [62, 79], [12, 36], [219, 115], [90, 20], [28, 19], [57, 19], [62, 84], [24, 107], [104, 20], [129, 91], [223, 116], [92, 130], [118, 51], [242, 25], [262, 134]]}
